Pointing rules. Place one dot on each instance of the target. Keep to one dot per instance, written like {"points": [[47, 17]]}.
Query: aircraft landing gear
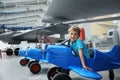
{"points": [[16, 52], [9, 52], [51, 72], [111, 74], [61, 76]]}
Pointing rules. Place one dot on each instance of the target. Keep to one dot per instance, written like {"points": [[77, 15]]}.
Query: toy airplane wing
{"points": [[85, 73], [116, 63]]}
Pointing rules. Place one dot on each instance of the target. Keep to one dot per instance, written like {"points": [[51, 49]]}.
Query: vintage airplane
{"points": [[33, 35], [54, 54]]}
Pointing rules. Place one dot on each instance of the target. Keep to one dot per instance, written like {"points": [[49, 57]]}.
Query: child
{"points": [[77, 45]]}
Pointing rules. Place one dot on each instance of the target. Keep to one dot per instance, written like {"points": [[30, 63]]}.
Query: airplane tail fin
{"points": [[115, 52], [105, 60]]}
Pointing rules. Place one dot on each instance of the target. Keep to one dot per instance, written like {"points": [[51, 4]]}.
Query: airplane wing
{"points": [[15, 37], [85, 73], [53, 29], [116, 63], [68, 10], [35, 34], [32, 36]]}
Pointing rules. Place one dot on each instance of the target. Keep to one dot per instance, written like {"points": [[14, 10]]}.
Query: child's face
{"points": [[73, 35]]}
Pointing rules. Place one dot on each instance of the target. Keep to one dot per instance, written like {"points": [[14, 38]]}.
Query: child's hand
{"points": [[85, 67]]}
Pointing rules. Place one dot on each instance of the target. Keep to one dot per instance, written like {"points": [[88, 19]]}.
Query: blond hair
{"points": [[74, 28]]}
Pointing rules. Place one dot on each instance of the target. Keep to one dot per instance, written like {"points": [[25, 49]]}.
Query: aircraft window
{"points": [[110, 33]]}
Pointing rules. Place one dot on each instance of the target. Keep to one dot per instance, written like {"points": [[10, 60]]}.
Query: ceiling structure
{"points": [[32, 13], [22, 12]]}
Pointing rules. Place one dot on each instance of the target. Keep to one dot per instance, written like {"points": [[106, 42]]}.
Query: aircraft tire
{"points": [[61, 76], [9, 52], [16, 52]]}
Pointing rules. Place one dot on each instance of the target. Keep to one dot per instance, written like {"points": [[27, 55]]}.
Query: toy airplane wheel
{"points": [[35, 67], [23, 62], [111, 74], [61, 76], [31, 63], [51, 72], [9, 52]]}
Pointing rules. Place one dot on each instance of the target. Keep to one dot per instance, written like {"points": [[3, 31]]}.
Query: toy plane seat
{"points": [[91, 52], [104, 60]]}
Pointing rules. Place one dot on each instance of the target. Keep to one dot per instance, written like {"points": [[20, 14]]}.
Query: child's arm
{"points": [[83, 60]]}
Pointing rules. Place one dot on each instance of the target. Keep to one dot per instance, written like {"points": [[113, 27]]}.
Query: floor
{"points": [[10, 69]]}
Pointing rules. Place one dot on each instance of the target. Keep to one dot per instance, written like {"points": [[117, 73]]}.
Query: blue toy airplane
{"points": [[63, 57]]}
